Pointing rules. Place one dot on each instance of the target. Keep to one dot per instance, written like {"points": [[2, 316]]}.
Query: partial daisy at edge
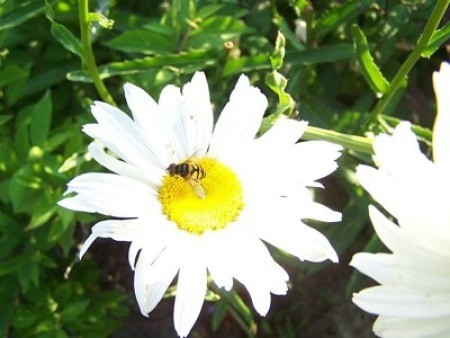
{"points": [[413, 295], [227, 194]]}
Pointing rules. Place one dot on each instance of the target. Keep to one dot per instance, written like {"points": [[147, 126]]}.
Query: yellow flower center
{"points": [[220, 205]]}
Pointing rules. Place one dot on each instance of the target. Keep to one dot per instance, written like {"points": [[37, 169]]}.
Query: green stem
{"points": [[89, 60], [402, 73], [351, 142], [240, 322]]}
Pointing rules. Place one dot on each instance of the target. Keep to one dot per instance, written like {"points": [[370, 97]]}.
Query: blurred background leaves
{"points": [[338, 59]]}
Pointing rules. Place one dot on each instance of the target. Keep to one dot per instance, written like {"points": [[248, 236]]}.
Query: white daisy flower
{"points": [[192, 201], [413, 299]]}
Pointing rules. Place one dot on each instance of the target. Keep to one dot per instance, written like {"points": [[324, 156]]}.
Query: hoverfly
{"points": [[192, 173]]}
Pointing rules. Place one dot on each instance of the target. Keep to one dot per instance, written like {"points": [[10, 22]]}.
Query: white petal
{"points": [[393, 270], [123, 168], [118, 230], [395, 327], [217, 242], [199, 123], [441, 134], [284, 131], [133, 252], [402, 242], [398, 301], [312, 160], [153, 277], [382, 188], [173, 107], [298, 239], [240, 119], [118, 132], [111, 194], [86, 245], [252, 265], [154, 237], [320, 212], [191, 290], [151, 120], [399, 154]]}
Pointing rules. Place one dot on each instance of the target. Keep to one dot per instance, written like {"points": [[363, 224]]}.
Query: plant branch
{"points": [[402, 73], [351, 142], [89, 60]]}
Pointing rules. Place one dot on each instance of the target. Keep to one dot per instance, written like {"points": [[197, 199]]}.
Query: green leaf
{"points": [[5, 118], [339, 15], [219, 313], [12, 73], [372, 73], [214, 31], [63, 35], [277, 83], [29, 272], [208, 10], [239, 305], [21, 14], [14, 264], [247, 64], [49, 77], [321, 54], [277, 57], [204, 59], [41, 119], [41, 213], [288, 33], [73, 310], [9, 290], [143, 41], [437, 39]]}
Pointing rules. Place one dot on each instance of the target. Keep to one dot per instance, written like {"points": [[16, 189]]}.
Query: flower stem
{"points": [[89, 60], [351, 142], [402, 73]]}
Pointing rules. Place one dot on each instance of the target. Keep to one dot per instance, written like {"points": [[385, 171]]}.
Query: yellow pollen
{"points": [[222, 203]]}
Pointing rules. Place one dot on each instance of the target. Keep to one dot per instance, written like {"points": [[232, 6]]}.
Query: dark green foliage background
{"points": [[45, 94]]}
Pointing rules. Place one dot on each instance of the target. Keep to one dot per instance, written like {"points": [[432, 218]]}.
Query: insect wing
{"points": [[197, 187]]}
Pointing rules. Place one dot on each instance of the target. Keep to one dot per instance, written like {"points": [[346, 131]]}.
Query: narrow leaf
{"points": [[372, 73], [62, 34], [277, 57], [247, 64], [73, 310], [204, 59], [143, 41], [437, 39], [13, 264], [339, 15], [321, 54], [11, 73], [41, 119], [21, 14]]}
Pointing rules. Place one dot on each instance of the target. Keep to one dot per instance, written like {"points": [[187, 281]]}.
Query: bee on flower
{"points": [[194, 198]]}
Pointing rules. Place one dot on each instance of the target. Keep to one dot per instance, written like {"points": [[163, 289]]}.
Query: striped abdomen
{"points": [[187, 170]]}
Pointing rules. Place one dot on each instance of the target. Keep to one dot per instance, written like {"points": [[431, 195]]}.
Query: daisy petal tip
{"points": [[243, 80], [86, 245], [199, 77], [65, 202], [143, 312], [332, 256], [444, 71], [131, 89]]}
